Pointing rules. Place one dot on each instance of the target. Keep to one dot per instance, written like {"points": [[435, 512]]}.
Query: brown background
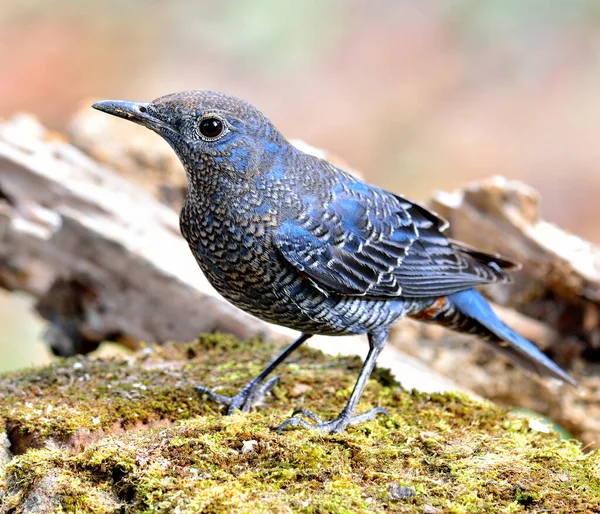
{"points": [[418, 95]]}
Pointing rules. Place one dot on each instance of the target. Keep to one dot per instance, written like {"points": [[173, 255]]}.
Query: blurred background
{"points": [[416, 94]]}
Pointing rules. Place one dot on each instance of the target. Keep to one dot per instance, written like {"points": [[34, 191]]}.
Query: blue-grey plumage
{"points": [[294, 240]]}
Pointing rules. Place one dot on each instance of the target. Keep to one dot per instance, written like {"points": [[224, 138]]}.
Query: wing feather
{"points": [[361, 240]]}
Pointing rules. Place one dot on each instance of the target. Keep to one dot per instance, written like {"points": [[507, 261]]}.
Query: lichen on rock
{"points": [[129, 434]]}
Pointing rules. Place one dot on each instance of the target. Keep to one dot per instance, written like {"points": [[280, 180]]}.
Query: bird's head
{"points": [[210, 132]]}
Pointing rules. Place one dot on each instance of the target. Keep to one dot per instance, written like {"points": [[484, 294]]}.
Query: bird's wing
{"points": [[368, 242]]}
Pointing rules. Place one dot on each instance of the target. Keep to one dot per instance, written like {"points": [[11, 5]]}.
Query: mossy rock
{"points": [[130, 435]]}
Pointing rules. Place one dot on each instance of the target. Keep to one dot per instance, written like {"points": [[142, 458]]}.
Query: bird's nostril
{"points": [[143, 109]]}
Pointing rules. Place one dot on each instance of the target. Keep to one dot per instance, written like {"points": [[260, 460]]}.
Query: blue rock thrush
{"points": [[296, 241]]}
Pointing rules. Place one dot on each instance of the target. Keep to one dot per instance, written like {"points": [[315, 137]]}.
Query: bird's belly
{"points": [[272, 290]]}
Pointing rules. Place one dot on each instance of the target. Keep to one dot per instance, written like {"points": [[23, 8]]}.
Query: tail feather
{"points": [[468, 312]]}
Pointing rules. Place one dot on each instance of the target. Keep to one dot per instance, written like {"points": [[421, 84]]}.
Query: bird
{"points": [[297, 241]]}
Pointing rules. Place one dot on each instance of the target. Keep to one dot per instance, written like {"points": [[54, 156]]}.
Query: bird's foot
{"points": [[249, 396], [334, 426]]}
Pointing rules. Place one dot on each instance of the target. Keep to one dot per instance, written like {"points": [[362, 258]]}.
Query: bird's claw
{"points": [[249, 396], [334, 426], [212, 396]]}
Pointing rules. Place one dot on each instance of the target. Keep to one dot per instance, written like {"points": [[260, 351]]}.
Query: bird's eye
{"points": [[211, 128]]}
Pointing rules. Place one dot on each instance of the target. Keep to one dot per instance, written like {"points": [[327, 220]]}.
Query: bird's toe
{"points": [[370, 415], [212, 396], [251, 395], [334, 426]]}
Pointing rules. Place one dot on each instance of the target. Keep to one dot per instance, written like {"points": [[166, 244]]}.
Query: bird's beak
{"points": [[137, 112]]}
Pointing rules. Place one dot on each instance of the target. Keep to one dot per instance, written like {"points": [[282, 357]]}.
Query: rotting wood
{"points": [[103, 257]]}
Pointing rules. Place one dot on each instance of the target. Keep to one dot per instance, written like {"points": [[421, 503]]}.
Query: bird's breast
{"points": [[232, 241]]}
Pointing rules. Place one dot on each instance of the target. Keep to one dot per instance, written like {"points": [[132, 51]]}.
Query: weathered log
{"points": [[104, 258]]}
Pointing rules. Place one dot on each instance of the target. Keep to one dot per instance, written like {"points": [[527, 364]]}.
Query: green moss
{"points": [[130, 435]]}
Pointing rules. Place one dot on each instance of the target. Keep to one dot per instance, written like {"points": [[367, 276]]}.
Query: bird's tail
{"points": [[468, 312]]}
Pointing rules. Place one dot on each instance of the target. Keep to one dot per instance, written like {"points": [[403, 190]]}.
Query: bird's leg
{"points": [[377, 341], [253, 392]]}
